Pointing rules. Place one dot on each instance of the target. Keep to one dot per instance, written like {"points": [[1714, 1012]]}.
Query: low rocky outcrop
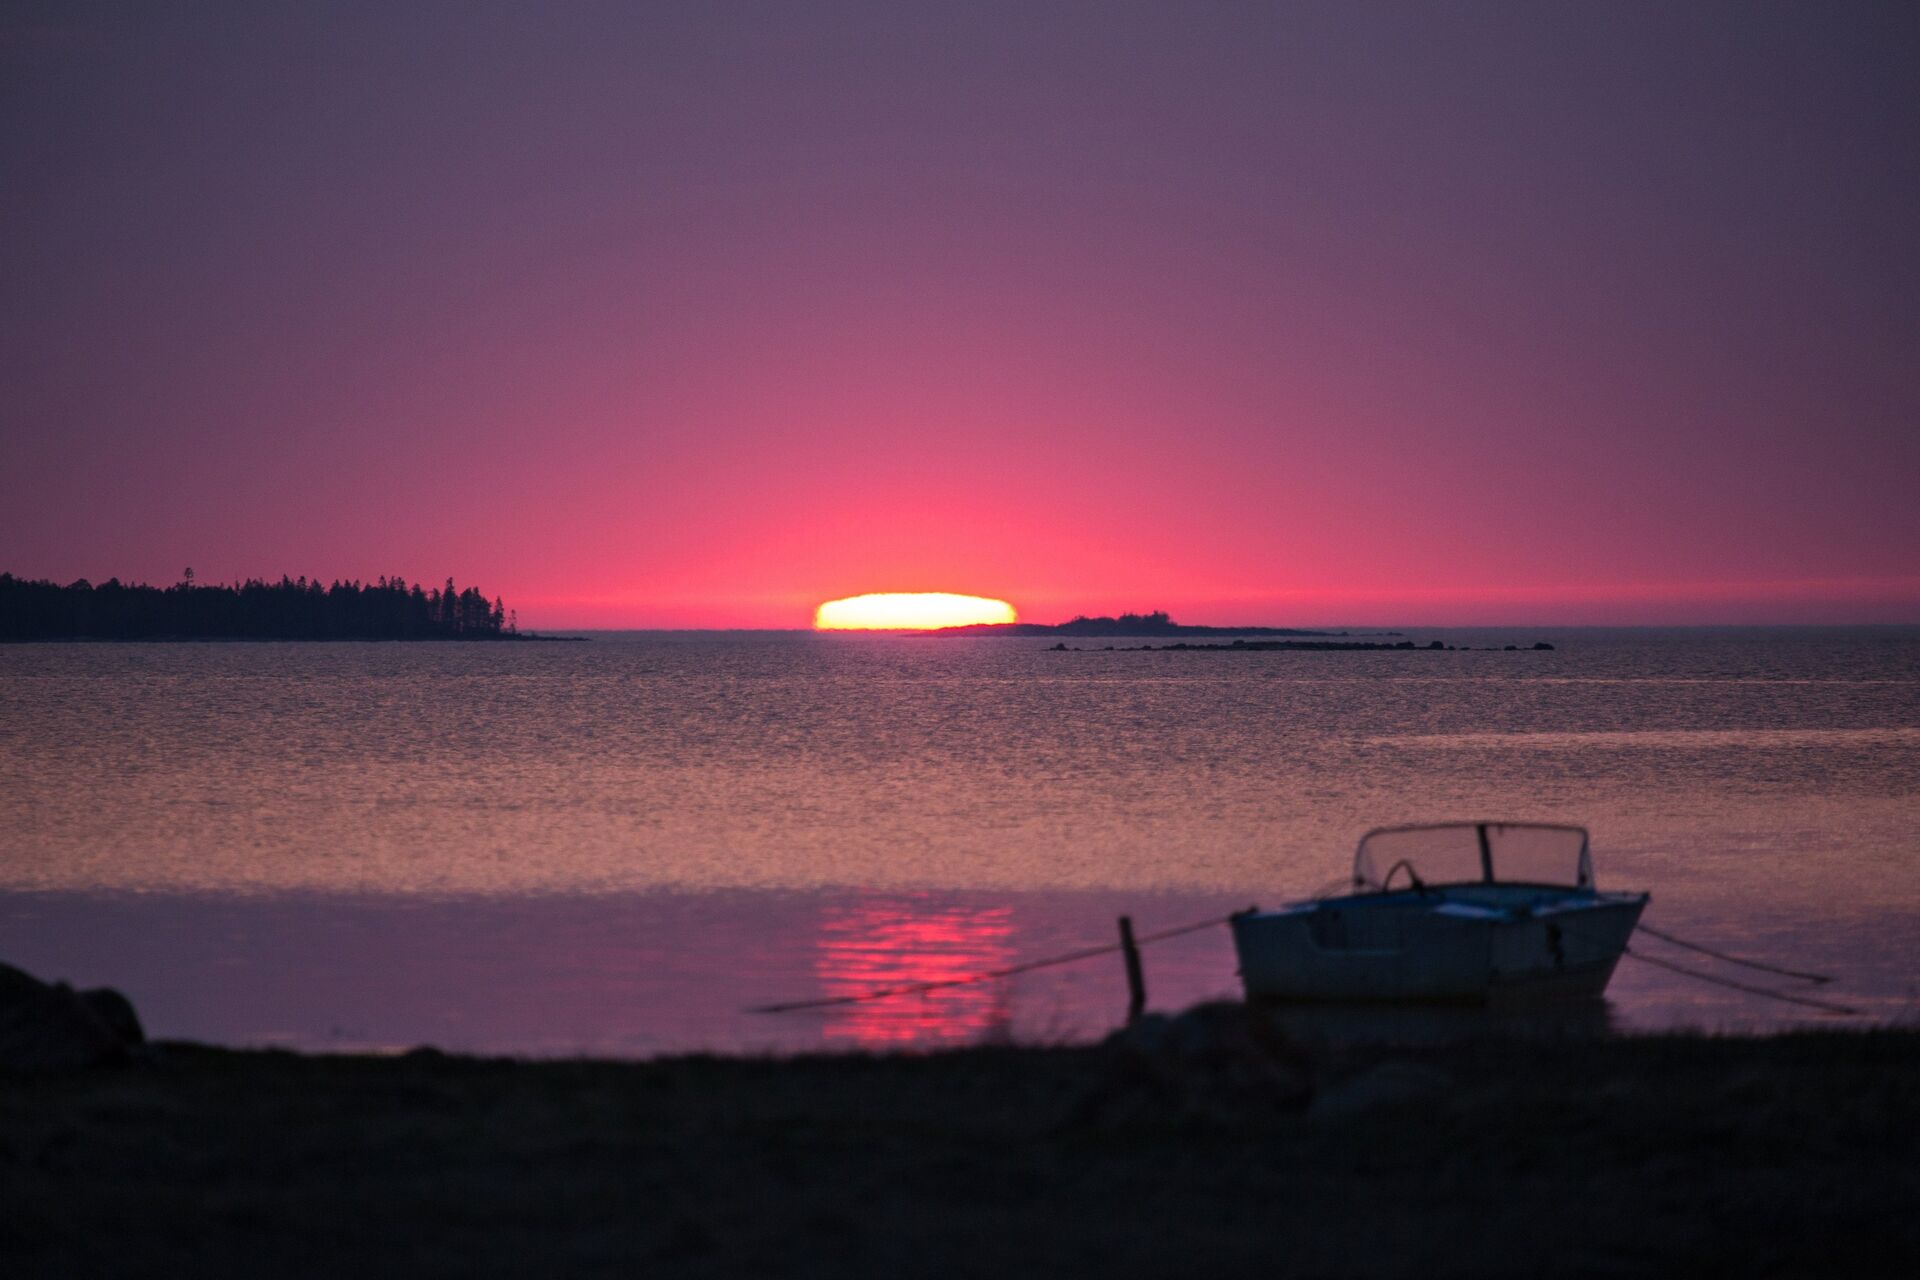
{"points": [[1209, 1065], [50, 1027]]}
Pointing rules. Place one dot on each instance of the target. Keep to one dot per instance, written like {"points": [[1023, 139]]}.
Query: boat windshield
{"points": [[1465, 852]]}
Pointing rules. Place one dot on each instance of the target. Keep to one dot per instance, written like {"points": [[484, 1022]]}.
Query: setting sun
{"points": [[909, 611]]}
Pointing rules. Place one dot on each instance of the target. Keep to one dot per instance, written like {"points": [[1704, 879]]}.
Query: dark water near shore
{"points": [[616, 846]]}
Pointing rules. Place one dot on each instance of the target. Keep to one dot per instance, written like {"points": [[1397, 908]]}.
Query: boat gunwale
{"points": [[1415, 896]]}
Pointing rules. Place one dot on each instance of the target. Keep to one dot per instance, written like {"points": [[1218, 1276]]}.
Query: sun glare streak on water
{"points": [[875, 943]]}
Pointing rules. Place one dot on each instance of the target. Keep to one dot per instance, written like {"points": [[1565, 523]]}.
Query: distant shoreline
{"points": [[499, 639], [1313, 646], [301, 608], [1131, 626]]}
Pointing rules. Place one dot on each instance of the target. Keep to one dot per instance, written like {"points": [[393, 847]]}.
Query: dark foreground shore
{"points": [[1718, 1157]]}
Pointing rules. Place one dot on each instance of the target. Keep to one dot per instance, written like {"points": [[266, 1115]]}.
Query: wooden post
{"points": [[1136, 979]]}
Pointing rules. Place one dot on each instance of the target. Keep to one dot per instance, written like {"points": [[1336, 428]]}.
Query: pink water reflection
{"points": [[897, 940]]}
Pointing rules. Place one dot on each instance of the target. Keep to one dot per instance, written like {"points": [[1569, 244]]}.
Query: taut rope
{"points": [[987, 975]]}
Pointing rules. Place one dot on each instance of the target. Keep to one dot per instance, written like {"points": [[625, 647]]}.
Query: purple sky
{"points": [[701, 314]]}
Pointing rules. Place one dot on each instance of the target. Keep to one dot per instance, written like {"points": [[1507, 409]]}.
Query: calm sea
{"points": [[617, 846]]}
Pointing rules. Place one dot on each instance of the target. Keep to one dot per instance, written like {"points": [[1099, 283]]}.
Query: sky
{"points": [[699, 315]]}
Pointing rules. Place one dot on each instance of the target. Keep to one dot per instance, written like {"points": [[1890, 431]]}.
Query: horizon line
{"points": [[1370, 627]]}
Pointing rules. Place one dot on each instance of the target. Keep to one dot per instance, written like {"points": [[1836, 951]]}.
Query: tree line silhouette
{"points": [[290, 609]]}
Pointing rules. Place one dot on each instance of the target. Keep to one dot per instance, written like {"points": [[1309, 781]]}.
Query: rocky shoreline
{"points": [[1204, 1145]]}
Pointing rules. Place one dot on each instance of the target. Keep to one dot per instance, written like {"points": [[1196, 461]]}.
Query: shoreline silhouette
{"points": [[290, 609], [1310, 646], [1156, 623], [188, 1159]]}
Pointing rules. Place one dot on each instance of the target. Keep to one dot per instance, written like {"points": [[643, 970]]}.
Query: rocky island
{"points": [[1157, 623]]}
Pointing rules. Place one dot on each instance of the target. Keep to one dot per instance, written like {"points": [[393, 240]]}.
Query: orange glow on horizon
{"points": [[910, 611]]}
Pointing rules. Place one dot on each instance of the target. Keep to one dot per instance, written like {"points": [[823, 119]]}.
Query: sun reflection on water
{"points": [[898, 940]]}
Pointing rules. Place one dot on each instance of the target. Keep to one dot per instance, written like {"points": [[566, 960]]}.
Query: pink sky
{"points": [[1325, 314]]}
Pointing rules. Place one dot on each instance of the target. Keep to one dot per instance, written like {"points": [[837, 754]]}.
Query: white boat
{"points": [[1463, 912]]}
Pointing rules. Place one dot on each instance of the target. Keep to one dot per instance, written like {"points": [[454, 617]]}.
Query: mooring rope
{"points": [[987, 975], [1828, 1005], [1767, 992], [1145, 939], [1731, 959]]}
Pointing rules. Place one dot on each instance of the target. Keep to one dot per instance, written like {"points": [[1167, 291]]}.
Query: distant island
{"points": [[290, 609], [1127, 624], [1263, 646]]}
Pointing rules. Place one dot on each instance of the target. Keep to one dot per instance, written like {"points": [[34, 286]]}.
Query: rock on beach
{"points": [[50, 1027]]}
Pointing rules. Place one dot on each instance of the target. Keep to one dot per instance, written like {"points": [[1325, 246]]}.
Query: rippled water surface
{"points": [[616, 845]]}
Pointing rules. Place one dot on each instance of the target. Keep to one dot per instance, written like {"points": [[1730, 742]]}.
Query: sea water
{"points": [[618, 846]]}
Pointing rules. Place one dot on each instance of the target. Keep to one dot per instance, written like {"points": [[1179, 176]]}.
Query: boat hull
{"points": [[1475, 946]]}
